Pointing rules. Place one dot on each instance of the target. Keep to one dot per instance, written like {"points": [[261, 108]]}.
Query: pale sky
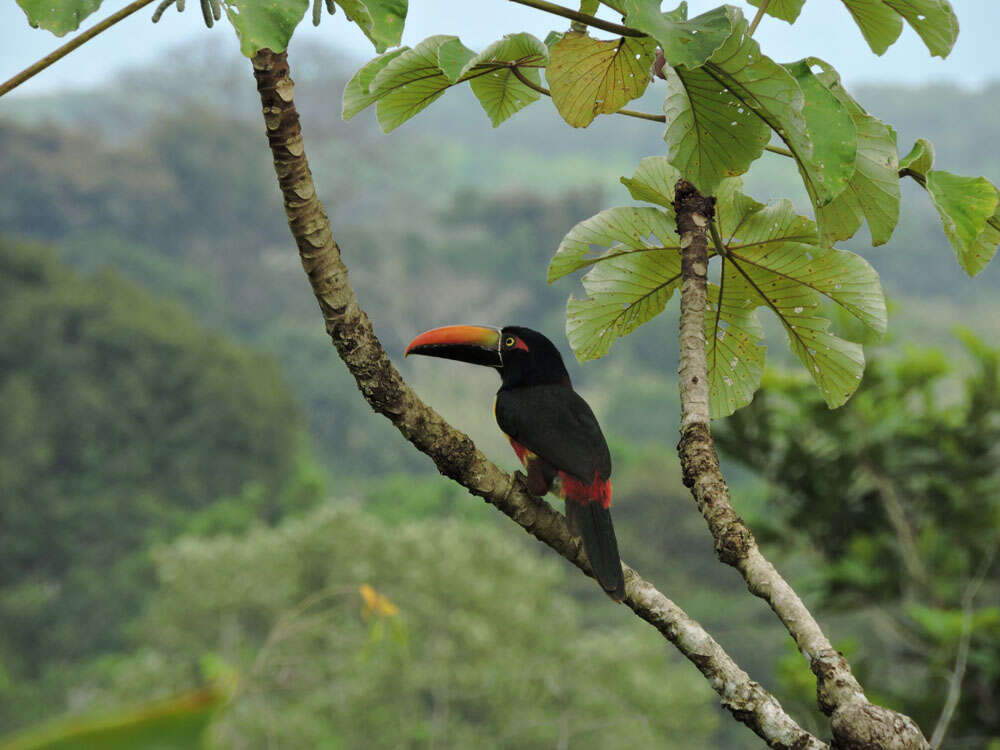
{"points": [[824, 29]]}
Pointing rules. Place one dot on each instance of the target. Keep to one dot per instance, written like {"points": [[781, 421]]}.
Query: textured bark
{"points": [[855, 722], [452, 451]]}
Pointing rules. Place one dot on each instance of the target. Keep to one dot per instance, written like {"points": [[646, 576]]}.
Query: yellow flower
{"points": [[374, 603]]}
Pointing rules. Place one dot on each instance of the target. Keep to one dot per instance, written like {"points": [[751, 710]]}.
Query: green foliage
{"points": [[786, 10], [179, 723], [381, 20], [58, 16], [872, 193], [969, 208], [119, 419], [590, 77], [684, 43], [897, 495], [880, 25], [500, 91], [264, 24], [772, 258], [434, 632]]}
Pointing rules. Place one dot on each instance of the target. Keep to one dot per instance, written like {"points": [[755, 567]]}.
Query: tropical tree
{"points": [[725, 102]]}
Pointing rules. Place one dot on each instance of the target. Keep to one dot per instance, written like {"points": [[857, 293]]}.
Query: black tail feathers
{"points": [[592, 522]]}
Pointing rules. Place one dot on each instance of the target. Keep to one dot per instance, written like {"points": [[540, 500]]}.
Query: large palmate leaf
{"points": [[497, 87], [933, 20], [773, 258], [872, 193], [735, 359], [832, 138], [590, 77], [58, 16], [710, 133], [768, 90], [411, 81], [623, 231], [358, 93], [264, 25], [880, 25], [969, 208], [786, 10], [881, 22], [381, 20], [684, 42]]}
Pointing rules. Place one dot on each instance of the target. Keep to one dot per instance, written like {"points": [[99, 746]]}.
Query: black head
{"points": [[522, 356], [529, 358]]}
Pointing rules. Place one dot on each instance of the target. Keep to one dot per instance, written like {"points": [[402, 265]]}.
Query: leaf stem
{"points": [[32, 70], [542, 90], [720, 246], [757, 18], [779, 150], [586, 18]]}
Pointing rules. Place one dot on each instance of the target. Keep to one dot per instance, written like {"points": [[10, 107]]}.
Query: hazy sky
{"points": [[824, 29]]}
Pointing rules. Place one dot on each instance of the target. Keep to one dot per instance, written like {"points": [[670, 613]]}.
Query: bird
{"points": [[552, 430]]}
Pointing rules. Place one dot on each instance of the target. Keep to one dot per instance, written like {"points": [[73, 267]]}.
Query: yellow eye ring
{"points": [[509, 341]]}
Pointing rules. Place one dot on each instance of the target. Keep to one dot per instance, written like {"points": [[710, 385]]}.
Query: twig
{"points": [[575, 15], [757, 18], [32, 70], [452, 451], [962, 656], [542, 90]]}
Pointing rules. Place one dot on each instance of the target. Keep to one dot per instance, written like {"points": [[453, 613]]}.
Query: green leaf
{"points": [[410, 82], [786, 10], [58, 16], [624, 291], [774, 260], [589, 77], [710, 133], [453, 57], [358, 93], [173, 724], [654, 182], [687, 43], [920, 159], [623, 231], [831, 133], [265, 25], [969, 208], [933, 20], [499, 91], [872, 193], [770, 91], [735, 359], [381, 20], [880, 25]]}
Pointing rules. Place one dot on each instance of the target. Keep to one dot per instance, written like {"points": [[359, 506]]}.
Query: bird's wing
{"points": [[557, 425]]}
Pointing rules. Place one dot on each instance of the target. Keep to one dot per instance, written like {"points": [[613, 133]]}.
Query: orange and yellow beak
{"points": [[478, 345]]}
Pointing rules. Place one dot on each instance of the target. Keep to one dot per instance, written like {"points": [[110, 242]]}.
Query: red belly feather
{"points": [[570, 487]]}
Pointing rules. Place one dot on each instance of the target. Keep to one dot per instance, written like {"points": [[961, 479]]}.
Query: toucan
{"points": [[551, 428]]}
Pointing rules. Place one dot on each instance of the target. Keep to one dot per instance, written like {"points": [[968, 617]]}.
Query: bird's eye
{"points": [[509, 342]]}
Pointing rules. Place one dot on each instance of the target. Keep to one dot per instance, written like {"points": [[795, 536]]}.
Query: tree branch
{"points": [[584, 18], [80, 39], [856, 723], [452, 451]]}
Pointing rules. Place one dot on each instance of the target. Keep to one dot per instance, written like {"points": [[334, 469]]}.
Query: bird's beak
{"points": [[478, 345]]}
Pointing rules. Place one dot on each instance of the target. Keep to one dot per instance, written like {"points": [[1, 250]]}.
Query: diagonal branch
{"points": [[856, 723], [452, 451]]}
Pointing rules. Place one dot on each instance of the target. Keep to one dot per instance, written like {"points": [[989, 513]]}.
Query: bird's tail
{"points": [[592, 522]]}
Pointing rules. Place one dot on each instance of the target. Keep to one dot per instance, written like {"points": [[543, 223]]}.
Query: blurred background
{"points": [[203, 524]]}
